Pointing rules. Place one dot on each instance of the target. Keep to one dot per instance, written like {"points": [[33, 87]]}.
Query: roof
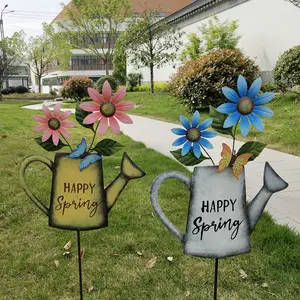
{"points": [[166, 6], [191, 9], [204, 7]]}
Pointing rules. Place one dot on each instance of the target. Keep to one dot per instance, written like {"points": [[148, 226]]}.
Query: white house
{"points": [[84, 63], [268, 28]]}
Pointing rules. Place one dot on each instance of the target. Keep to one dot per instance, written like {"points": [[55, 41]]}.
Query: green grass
{"points": [[28, 246]]}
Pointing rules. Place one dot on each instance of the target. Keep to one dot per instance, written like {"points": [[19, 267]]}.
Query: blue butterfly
{"points": [[79, 151]]}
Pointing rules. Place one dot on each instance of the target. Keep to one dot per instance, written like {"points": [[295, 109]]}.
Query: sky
{"points": [[29, 15]]}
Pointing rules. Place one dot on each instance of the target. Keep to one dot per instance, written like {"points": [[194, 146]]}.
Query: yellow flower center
{"points": [[245, 106], [107, 109], [193, 134], [54, 123]]}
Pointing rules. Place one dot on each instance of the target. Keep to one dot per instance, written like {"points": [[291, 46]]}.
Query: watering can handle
{"points": [[25, 163], [154, 199]]}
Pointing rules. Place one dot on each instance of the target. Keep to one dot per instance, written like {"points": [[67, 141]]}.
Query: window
{"points": [[88, 63]]}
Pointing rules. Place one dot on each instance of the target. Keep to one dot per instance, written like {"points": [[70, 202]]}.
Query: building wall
{"points": [[267, 27]]}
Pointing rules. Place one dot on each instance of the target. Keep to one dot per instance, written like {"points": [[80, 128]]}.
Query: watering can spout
{"points": [[129, 171], [272, 183]]}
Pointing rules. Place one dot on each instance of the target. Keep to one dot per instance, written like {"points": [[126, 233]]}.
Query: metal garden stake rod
{"points": [[79, 264], [216, 279]]}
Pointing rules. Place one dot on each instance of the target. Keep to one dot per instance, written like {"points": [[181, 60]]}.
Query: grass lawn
{"points": [[28, 246]]}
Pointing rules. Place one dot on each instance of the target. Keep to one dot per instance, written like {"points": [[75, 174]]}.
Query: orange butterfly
{"points": [[229, 159]]}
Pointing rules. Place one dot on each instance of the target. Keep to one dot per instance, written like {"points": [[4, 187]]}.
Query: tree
{"points": [[47, 52], [149, 43], [193, 49], [11, 54], [214, 36], [94, 26], [119, 61]]}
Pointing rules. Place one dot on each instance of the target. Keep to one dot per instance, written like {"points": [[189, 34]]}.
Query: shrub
{"points": [[112, 81], [199, 82], [21, 89], [52, 92], [76, 87], [5, 92], [160, 87], [134, 80], [287, 69], [271, 87], [12, 90]]}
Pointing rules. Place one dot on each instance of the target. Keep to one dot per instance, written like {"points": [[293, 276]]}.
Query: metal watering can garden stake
{"points": [[219, 222], [78, 198]]}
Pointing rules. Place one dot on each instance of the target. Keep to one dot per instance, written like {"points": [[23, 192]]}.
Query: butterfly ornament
{"points": [[229, 159], [78, 153]]}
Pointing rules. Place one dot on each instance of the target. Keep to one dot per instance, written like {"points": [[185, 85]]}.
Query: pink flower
{"points": [[53, 124], [107, 108]]}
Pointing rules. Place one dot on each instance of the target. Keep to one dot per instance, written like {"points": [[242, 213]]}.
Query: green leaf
{"points": [[188, 160], [107, 147], [218, 121], [252, 147], [80, 115], [48, 145]]}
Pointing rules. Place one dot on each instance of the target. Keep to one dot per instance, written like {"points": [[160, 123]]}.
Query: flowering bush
{"points": [[199, 82], [287, 69], [76, 87]]}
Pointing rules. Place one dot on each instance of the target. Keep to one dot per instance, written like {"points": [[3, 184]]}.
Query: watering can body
{"points": [[79, 200], [219, 222]]}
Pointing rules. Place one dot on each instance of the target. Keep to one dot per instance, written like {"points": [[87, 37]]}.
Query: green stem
{"points": [[208, 155], [234, 133], [94, 136], [67, 143]]}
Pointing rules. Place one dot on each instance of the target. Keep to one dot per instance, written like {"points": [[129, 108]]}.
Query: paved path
{"points": [[283, 206]]}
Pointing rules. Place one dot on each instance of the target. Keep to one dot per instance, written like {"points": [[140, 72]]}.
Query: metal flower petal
{"points": [[242, 86], [196, 119], [185, 122]]}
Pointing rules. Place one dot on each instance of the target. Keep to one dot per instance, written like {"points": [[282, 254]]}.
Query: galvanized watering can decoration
{"points": [[78, 199], [219, 222]]}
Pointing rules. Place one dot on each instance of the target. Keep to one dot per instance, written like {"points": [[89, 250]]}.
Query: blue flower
{"points": [[246, 106], [193, 136]]}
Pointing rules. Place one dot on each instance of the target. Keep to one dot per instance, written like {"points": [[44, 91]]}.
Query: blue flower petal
{"points": [[263, 98], [256, 122], [227, 108], [195, 119], [208, 134], [205, 124], [242, 86], [263, 111], [185, 122], [207, 144], [186, 148], [179, 141], [231, 94], [244, 126], [197, 149], [232, 119], [179, 131], [255, 88]]}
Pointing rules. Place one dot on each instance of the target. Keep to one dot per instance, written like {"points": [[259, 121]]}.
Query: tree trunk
{"points": [[40, 83], [152, 78], [1, 87]]}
